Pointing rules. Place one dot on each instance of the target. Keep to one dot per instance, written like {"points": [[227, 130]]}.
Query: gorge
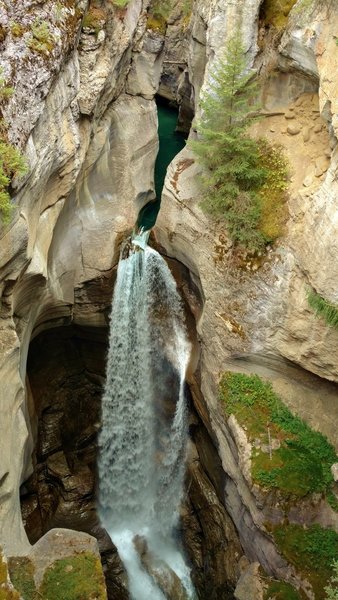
{"points": [[84, 76]]}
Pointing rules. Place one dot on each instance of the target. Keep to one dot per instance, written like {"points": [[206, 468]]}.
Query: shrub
{"points": [[332, 589], [42, 40], [323, 308], [11, 161], [313, 551], [158, 14], [94, 19]]}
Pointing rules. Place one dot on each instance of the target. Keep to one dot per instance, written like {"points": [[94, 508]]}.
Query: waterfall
{"points": [[143, 436]]}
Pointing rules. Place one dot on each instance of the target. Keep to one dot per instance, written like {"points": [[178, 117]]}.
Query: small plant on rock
{"points": [[42, 40]]}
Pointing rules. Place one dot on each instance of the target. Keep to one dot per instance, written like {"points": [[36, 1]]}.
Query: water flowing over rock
{"points": [[142, 443]]}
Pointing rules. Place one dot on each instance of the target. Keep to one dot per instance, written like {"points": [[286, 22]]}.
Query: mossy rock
{"points": [[311, 550], [7, 591], [275, 12], [78, 577], [21, 570]]}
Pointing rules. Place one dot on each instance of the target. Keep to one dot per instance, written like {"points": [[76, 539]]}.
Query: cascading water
{"points": [[142, 442]]}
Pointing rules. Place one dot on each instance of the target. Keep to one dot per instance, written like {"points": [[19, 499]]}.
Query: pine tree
{"points": [[229, 153]]}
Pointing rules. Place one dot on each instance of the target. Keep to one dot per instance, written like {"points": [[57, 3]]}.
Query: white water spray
{"points": [[142, 442]]}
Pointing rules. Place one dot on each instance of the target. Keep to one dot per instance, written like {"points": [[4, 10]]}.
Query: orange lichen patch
{"points": [[232, 325], [182, 165]]}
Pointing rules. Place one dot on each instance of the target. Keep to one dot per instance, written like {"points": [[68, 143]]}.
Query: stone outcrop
{"points": [[164, 577], [60, 560]]}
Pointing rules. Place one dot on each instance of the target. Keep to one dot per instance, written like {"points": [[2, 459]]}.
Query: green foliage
{"points": [[161, 9], [11, 163], [17, 29], [42, 40], [5, 90], [323, 308], [275, 12], [158, 14], [272, 194], [234, 170], [278, 590], [120, 3], [312, 551], [302, 463], [75, 578], [94, 18], [332, 589], [21, 572]]}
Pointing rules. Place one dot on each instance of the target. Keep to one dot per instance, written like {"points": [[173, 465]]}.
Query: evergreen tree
{"points": [[229, 153]]}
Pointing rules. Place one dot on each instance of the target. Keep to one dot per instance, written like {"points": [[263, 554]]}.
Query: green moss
{"points": [[312, 551], [302, 463], [7, 592], [21, 572], [158, 15], [120, 3], [323, 308], [332, 589], [279, 590], [94, 19], [75, 578], [275, 12], [11, 161], [17, 29], [272, 195], [42, 40]]}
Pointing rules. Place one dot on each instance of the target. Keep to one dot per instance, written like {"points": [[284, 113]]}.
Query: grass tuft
{"points": [[323, 308]]}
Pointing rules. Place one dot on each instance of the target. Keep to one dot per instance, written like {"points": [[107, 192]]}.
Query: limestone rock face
{"points": [[78, 198], [146, 67]]}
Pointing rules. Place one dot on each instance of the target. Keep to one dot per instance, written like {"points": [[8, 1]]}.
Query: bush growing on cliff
{"points": [[11, 161], [323, 308], [332, 589], [236, 172], [158, 14]]}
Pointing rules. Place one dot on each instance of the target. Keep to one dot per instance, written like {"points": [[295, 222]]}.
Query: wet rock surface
{"points": [[161, 573]]}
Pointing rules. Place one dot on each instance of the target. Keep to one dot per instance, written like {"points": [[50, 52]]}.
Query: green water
{"points": [[171, 143]]}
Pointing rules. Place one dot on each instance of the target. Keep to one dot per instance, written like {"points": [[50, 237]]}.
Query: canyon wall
{"points": [[256, 317], [87, 125], [89, 132]]}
